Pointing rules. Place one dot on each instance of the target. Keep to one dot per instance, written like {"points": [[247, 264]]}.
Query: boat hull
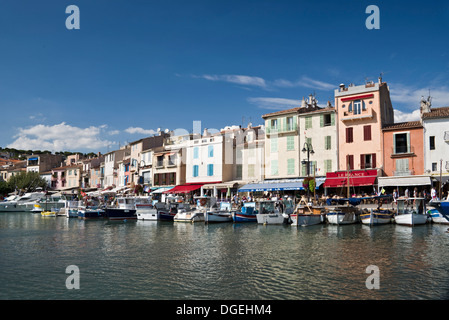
{"points": [[146, 212], [166, 216], [377, 218], [216, 217], [91, 214], [120, 214], [307, 219], [341, 218], [189, 217], [270, 218], [437, 217], [410, 219], [244, 217]]}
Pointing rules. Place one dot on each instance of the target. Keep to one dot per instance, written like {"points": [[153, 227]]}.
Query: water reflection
{"points": [[165, 260]]}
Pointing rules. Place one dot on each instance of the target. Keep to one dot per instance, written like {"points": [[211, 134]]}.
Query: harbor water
{"points": [[182, 261]]}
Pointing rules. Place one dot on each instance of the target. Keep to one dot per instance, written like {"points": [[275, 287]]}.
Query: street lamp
{"points": [[309, 149]]}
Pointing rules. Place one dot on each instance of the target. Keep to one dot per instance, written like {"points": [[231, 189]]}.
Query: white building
{"points": [[436, 139]]}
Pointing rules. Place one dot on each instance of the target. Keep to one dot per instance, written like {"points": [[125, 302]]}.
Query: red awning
{"points": [[185, 188], [366, 96], [356, 179]]}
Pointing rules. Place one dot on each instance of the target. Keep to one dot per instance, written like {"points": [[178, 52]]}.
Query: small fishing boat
{"points": [[342, 215], [145, 210], [439, 211], [223, 214], [411, 212], [375, 217], [248, 213], [308, 215], [437, 217], [123, 208]]}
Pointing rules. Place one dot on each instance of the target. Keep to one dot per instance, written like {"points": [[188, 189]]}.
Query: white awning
{"points": [[404, 181]]}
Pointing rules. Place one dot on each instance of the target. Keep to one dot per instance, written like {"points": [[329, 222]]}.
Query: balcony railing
{"points": [[399, 151], [282, 129], [404, 173], [354, 115]]}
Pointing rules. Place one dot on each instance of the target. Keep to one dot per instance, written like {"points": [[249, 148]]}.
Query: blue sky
{"points": [[135, 66]]}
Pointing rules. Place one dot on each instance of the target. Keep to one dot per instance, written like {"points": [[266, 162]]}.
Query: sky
{"points": [[135, 67]]}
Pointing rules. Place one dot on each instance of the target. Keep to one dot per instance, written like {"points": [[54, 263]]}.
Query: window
{"points": [[290, 166], [327, 143], [312, 167], [308, 124], [289, 124], [195, 153], [368, 161], [210, 170], [367, 133], [274, 168], [274, 145], [350, 161], [290, 143], [326, 120], [195, 170], [432, 142], [210, 151], [401, 142], [327, 166], [251, 170], [401, 167], [238, 171], [434, 166], [357, 107], [274, 124], [349, 135]]}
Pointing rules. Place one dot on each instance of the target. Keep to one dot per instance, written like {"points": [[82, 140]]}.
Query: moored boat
{"points": [[145, 210], [90, 213], [21, 203], [197, 215], [308, 216], [248, 213], [411, 212], [341, 215], [122, 209], [269, 213], [375, 217], [48, 213], [223, 214]]}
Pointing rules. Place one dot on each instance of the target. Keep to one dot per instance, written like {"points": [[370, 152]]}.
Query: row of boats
{"points": [[408, 211]]}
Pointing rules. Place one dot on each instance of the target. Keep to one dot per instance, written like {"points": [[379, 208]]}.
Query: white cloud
{"points": [[59, 137], [237, 79], [274, 103], [305, 82], [400, 116], [138, 130], [411, 96]]}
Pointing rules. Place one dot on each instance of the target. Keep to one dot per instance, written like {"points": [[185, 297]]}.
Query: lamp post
{"points": [[309, 149]]}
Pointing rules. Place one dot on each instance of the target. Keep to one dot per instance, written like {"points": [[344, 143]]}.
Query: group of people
{"points": [[418, 194]]}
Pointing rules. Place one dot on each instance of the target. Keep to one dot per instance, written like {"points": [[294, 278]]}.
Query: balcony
{"points": [[402, 151], [354, 115], [287, 128]]}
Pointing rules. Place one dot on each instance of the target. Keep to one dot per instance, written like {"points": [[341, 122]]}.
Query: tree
{"points": [[27, 181]]}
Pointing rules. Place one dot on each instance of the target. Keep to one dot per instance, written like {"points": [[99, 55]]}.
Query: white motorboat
{"points": [[21, 203], [411, 212], [145, 210], [223, 214], [205, 203], [269, 213]]}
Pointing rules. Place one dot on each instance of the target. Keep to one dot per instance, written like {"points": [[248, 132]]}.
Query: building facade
{"points": [[362, 111]]}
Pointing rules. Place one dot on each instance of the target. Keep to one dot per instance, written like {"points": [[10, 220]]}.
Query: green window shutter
{"points": [[274, 167], [303, 169], [274, 145], [290, 143], [309, 141], [327, 143], [333, 119], [321, 120], [290, 166]]}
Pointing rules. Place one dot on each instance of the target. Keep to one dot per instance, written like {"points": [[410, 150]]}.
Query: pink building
{"points": [[362, 111]]}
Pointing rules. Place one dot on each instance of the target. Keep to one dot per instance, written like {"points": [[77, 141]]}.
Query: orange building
{"points": [[362, 112], [403, 149]]}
